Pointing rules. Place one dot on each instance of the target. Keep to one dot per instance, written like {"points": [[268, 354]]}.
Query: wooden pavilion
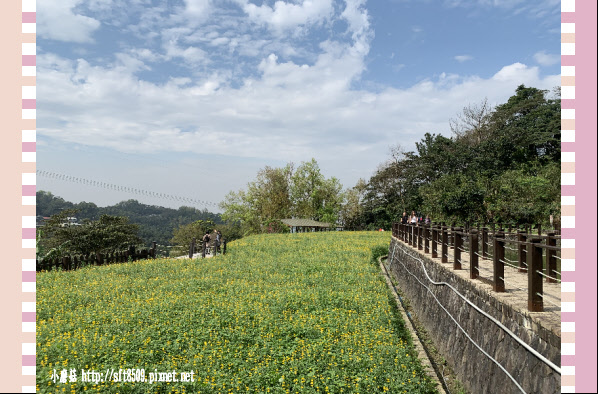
{"points": [[308, 225]]}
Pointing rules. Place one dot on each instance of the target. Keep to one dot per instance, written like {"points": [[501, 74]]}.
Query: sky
{"points": [[192, 98]]}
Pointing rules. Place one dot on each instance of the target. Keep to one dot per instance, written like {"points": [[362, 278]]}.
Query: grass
{"points": [[298, 313]]}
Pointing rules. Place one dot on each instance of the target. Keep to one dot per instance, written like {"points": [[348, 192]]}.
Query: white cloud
{"points": [[200, 8], [516, 71], [57, 21], [463, 58], [546, 59], [284, 16], [254, 92], [290, 112]]}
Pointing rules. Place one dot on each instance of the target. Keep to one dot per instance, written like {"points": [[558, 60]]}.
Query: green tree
{"points": [[238, 211], [279, 193], [454, 197], [184, 234], [155, 223], [108, 234], [497, 167], [528, 194], [313, 196], [351, 215]]}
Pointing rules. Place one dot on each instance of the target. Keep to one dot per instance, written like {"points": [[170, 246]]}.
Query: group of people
{"points": [[415, 219], [216, 237]]}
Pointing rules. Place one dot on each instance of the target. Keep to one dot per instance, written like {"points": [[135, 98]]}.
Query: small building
{"points": [[308, 225]]}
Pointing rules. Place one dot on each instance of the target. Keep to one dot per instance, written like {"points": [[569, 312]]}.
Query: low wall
{"points": [[478, 373]]}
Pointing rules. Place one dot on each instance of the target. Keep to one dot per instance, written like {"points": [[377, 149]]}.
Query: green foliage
{"points": [[281, 193], [109, 233], [502, 165], [379, 251], [454, 197], [155, 223], [184, 234], [528, 194], [351, 214], [276, 226]]}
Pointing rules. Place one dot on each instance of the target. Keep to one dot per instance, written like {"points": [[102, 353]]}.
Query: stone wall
{"points": [[477, 372]]}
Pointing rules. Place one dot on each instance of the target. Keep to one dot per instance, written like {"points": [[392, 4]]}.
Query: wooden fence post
{"points": [[535, 303], [452, 236], [414, 235], [521, 236], [458, 239], [426, 238], [132, 253], [485, 242], [153, 254], [192, 248], [434, 241], [444, 248], [410, 241], [419, 237], [498, 264], [551, 258], [473, 254], [223, 245]]}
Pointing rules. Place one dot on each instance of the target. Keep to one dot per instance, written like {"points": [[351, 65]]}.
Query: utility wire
{"points": [[124, 189]]}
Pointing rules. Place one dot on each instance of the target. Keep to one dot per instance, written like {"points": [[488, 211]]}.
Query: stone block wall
{"points": [[477, 372]]}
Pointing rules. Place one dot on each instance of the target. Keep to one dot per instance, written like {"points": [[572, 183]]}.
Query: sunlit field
{"points": [[293, 313]]}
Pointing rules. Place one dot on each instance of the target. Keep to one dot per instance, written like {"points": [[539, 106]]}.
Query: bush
{"points": [[379, 251]]}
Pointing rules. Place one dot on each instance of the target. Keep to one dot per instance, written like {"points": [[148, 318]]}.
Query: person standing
{"points": [[413, 217], [214, 239], [206, 243], [404, 218]]}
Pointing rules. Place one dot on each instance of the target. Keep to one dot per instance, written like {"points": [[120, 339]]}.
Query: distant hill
{"points": [[155, 223]]}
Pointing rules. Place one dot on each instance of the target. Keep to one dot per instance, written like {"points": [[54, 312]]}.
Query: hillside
{"points": [[155, 223]]}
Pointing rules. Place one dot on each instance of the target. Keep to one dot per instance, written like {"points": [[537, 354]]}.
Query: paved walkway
{"points": [[515, 286], [195, 256]]}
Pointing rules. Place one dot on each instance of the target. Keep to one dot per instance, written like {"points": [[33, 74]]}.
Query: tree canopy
{"points": [[501, 165], [58, 237], [279, 193]]}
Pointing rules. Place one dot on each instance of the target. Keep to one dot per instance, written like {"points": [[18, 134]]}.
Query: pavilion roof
{"points": [[304, 223]]}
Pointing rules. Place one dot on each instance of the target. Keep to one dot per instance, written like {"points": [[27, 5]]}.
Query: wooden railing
{"points": [[536, 255], [205, 247]]}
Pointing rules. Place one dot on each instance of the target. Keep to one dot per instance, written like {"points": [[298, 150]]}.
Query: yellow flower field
{"points": [[291, 313]]}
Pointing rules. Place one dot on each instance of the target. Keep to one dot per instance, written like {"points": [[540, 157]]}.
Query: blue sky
{"points": [[193, 97]]}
